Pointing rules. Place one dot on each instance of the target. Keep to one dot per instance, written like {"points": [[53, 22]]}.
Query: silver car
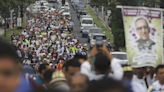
{"points": [[98, 39], [94, 30], [121, 57], [85, 31]]}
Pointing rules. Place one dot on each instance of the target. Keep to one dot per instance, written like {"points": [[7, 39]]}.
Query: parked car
{"points": [[81, 14], [80, 6], [67, 15], [53, 3], [67, 5], [121, 57], [86, 21], [94, 30], [85, 31], [98, 39], [70, 25], [74, 3]]}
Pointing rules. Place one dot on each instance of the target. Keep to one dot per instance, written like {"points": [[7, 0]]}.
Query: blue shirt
{"points": [[24, 86]]}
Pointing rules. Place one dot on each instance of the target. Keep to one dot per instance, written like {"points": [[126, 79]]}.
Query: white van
{"points": [[121, 57], [86, 21], [67, 15]]}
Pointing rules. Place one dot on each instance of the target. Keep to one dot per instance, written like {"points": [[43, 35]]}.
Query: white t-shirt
{"points": [[137, 87], [140, 82], [150, 80], [156, 87], [117, 71], [86, 69]]}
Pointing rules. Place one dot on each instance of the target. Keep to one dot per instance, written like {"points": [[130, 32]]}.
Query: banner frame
{"points": [[149, 8]]}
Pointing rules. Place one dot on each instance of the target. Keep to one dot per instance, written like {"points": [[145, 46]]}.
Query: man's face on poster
{"points": [[142, 29]]}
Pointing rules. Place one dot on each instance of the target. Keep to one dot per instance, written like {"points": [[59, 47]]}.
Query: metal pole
{"points": [[102, 11], [5, 26], [11, 18]]}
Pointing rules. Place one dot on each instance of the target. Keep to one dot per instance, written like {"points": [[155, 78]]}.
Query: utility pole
{"points": [[11, 18], [102, 11], [19, 20]]}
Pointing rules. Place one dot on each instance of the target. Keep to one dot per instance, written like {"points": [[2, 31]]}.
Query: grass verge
{"points": [[15, 30], [100, 23], [9, 32]]}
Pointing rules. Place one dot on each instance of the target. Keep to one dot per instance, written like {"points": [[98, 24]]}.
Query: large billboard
{"points": [[144, 34]]}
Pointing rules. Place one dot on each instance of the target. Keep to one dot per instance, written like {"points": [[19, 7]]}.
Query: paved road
{"points": [[76, 31]]}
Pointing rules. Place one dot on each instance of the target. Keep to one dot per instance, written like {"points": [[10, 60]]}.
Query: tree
{"points": [[161, 3], [7, 5], [117, 21]]}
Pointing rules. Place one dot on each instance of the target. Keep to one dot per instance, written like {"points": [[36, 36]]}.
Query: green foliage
{"points": [[16, 31], [99, 23], [117, 21], [9, 32], [7, 5]]}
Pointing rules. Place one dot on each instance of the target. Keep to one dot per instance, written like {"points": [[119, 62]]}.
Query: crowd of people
{"points": [[47, 38], [46, 57], [98, 72]]}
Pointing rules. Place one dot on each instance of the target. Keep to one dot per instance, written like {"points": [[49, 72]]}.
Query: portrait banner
{"points": [[143, 34]]}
